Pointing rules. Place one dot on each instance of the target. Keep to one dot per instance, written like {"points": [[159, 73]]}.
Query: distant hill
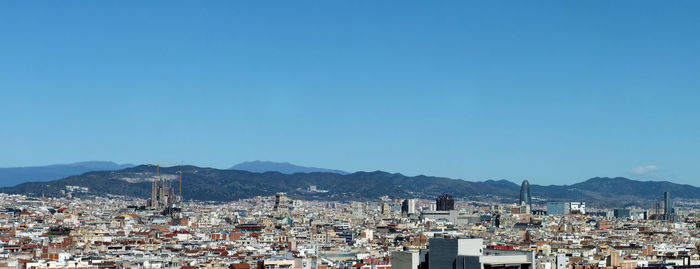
{"points": [[15, 175], [227, 185], [282, 167]]}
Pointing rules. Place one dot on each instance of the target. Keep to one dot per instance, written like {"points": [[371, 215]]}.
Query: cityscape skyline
{"points": [[281, 232], [349, 134]]}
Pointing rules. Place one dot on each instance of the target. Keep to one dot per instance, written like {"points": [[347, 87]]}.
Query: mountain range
{"points": [[15, 175], [282, 167], [11, 176], [212, 184]]}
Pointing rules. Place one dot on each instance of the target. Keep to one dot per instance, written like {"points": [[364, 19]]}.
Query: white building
{"points": [[578, 206], [448, 253], [405, 260]]}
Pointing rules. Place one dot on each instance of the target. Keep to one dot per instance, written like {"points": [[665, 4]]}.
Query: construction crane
{"points": [[180, 172], [158, 165]]}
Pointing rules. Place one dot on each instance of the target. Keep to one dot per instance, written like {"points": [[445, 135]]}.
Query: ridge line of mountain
{"points": [[10, 176], [201, 183]]}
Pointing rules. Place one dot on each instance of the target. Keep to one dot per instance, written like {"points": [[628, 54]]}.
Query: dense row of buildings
{"points": [[282, 232]]}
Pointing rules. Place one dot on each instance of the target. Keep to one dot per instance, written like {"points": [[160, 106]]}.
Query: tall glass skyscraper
{"points": [[668, 205], [445, 202], [525, 195]]}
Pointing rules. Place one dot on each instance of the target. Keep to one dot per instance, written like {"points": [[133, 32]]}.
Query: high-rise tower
{"points": [[408, 206], [525, 196], [445, 202], [668, 205], [281, 202]]}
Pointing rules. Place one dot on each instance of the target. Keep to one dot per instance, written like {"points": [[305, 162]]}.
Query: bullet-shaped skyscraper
{"points": [[525, 196]]}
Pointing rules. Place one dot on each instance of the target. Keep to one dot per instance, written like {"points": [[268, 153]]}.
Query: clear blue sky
{"points": [[551, 91]]}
